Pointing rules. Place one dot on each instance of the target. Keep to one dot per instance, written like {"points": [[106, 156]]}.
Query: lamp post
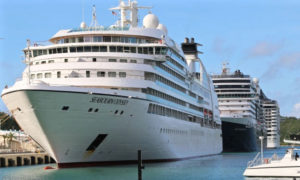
{"points": [[261, 148]]}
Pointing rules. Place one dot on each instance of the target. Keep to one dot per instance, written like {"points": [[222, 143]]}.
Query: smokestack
{"points": [[186, 40], [192, 40]]}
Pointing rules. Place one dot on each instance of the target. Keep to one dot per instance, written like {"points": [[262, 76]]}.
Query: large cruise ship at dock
{"points": [[240, 110], [97, 94]]}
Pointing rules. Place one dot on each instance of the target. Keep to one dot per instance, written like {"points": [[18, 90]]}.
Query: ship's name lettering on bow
{"points": [[103, 100]]}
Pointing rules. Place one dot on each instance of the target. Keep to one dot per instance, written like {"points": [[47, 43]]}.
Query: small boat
{"points": [[286, 167]]}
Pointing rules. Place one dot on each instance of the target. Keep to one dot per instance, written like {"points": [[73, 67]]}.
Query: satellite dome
{"points": [[150, 21], [255, 80], [82, 25], [163, 28]]}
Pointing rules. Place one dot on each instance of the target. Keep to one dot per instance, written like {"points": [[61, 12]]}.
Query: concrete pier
{"points": [[24, 159]]}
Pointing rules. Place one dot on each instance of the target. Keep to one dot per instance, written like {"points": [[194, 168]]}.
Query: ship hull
{"points": [[68, 126], [239, 137]]}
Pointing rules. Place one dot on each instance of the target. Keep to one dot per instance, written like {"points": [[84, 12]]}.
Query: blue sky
{"points": [[261, 38]]}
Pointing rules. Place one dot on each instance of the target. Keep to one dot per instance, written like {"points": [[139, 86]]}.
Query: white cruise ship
{"points": [[96, 94], [272, 119], [240, 110]]}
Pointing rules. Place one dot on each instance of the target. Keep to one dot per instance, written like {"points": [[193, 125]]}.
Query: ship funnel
{"points": [[186, 40], [192, 40]]}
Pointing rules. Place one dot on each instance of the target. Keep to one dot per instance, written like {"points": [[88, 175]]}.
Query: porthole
{"points": [[90, 110], [116, 111], [121, 112]]}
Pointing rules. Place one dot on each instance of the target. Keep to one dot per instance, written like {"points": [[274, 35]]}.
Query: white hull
{"points": [[272, 171], [66, 135]]}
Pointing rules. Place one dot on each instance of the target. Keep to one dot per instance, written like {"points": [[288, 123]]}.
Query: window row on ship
{"points": [[158, 50], [206, 120], [112, 48], [119, 39], [163, 67], [118, 74]]}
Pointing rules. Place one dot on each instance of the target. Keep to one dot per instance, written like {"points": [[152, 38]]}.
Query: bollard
{"points": [[140, 165]]}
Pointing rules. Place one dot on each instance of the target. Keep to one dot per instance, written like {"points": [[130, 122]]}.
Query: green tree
{"points": [[10, 137]]}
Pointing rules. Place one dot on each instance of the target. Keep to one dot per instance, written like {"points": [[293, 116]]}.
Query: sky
{"points": [[261, 38]]}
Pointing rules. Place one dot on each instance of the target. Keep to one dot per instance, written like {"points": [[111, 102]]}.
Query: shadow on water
{"points": [[224, 166]]}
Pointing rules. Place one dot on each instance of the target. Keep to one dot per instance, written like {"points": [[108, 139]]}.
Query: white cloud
{"points": [[290, 62], [296, 110], [264, 48]]}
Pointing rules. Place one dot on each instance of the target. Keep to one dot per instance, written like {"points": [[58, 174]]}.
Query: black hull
{"points": [[238, 138]]}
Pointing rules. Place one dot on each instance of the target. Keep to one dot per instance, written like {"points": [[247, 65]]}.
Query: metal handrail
{"points": [[255, 161]]}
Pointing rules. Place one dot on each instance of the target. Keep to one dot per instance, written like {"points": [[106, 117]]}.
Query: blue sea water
{"points": [[224, 166]]}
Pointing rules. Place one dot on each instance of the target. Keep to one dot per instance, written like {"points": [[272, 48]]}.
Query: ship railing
{"points": [[255, 161]]}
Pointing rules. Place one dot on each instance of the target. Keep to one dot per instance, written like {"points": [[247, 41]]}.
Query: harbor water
{"points": [[224, 166]]}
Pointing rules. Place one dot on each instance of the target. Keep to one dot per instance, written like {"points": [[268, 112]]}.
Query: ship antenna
{"points": [[94, 18], [82, 11], [28, 56]]}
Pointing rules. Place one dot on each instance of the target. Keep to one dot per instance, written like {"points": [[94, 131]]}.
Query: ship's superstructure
{"points": [[240, 110], [272, 121], [97, 94]]}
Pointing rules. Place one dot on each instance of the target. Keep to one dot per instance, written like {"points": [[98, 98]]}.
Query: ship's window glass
{"points": [[87, 74], [66, 60], [44, 52], [80, 49], [150, 50], [50, 51], [96, 110], [97, 38], [163, 50], [51, 61], [37, 63], [65, 50], [112, 48], [72, 40], [58, 74], [87, 48], [133, 49], [94, 59], [121, 112], [54, 51], [95, 48], [43, 62], [116, 112], [100, 74], [32, 76], [112, 60], [132, 40], [90, 110], [87, 39], [103, 48], [72, 49], [140, 50], [106, 38], [157, 50], [126, 49], [133, 61], [34, 53], [40, 52], [59, 50], [115, 39], [145, 50], [47, 75], [80, 39], [123, 60], [122, 74], [66, 40], [65, 108], [112, 74], [39, 75], [119, 48]]}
